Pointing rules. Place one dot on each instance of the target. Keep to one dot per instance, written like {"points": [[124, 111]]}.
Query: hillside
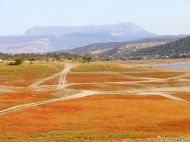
{"points": [[117, 50], [177, 49]]}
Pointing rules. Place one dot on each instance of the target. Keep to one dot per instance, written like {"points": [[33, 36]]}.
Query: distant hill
{"points": [[168, 47], [117, 50], [176, 49], [24, 44], [47, 39]]}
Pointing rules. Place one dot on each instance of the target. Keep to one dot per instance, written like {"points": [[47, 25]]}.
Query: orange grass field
{"points": [[94, 77], [21, 97], [100, 117]]}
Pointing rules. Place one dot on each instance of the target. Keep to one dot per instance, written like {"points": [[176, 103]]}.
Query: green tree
{"points": [[18, 60], [32, 59], [86, 58], [57, 57]]}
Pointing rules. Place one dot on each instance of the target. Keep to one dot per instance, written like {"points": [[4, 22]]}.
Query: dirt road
{"points": [[83, 93], [63, 76], [44, 80]]}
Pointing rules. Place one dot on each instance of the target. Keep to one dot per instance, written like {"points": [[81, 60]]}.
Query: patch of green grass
{"points": [[71, 136], [27, 68]]}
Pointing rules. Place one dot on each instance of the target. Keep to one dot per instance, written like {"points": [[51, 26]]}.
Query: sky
{"points": [[164, 17]]}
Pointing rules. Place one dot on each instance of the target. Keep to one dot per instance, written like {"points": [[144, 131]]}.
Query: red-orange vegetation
{"points": [[54, 81], [92, 77], [167, 83], [143, 116], [21, 97], [21, 80], [105, 87], [182, 95]]}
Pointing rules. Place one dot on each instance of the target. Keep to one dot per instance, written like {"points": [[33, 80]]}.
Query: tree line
{"points": [[16, 59]]}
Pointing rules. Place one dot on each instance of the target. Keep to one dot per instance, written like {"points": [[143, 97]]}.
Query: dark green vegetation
{"points": [[177, 49], [18, 61], [45, 57]]}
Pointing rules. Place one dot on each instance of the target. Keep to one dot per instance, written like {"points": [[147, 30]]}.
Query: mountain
{"points": [[48, 39], [122, 30], [121, 49]]}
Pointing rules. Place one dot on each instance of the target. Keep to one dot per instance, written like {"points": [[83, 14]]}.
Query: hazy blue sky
{"points": [[156, 16]]}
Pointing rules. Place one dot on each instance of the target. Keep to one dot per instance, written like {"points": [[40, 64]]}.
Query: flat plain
{"points": [[102, 101]]}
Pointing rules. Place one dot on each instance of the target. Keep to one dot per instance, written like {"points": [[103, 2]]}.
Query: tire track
{"points": [[83, 93], [44, 80], [62, 79]]}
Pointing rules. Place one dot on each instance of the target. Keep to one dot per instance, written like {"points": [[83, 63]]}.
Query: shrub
{"points": [[32, 60], [87, 59], [17, 61]]}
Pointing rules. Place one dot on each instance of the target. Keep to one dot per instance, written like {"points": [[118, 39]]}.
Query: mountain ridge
{"points": [[48, 39], [108, 28]]}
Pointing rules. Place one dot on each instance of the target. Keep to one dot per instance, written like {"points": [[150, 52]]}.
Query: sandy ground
{"points": [[7, 89]]}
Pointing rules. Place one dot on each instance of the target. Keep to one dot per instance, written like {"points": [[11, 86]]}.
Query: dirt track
{"points": [[46, 79], [19, 107], [63, 76]]}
